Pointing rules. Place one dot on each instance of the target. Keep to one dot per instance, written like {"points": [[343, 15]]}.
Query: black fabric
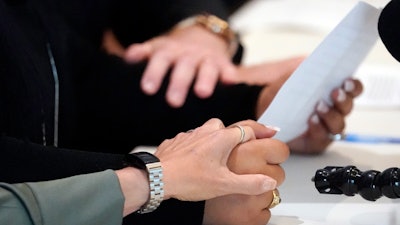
{"points": [[234, 5], [389, 28], [101, 106], [142, 15], [26, 161], [130, 118], [153, 17], [181, 213]]}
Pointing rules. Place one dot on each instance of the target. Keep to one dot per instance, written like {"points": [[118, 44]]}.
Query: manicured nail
{"points": [[277, 129], [349, 85], [322, 107], [341, 95], [315, 119]]}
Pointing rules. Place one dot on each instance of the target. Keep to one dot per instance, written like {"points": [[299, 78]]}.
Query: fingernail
{"points": [[203, 91], [348, 85], [341, 95], [269, 184], [315, 119], [322, 107], [149, 87], [175, 98], [277, 129]]}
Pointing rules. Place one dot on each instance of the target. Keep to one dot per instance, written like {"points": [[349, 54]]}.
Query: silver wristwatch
{"points": [[150, 163]]}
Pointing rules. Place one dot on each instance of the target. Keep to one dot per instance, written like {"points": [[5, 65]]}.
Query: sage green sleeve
{"points": [[88, 199]]}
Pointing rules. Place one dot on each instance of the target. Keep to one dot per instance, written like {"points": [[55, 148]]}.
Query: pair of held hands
{"points": [[234, 171], [235, 178], [209, 163], [208, 61]]}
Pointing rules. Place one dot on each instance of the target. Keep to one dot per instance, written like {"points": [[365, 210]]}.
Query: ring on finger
{"points": [[276, 199], [242, 133], [337, 137]]}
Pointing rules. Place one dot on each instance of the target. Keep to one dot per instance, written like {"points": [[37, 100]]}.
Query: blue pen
{"points": [[371, 139]]}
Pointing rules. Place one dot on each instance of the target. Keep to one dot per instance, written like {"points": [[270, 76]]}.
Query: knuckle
{"points": [[283, 149]]}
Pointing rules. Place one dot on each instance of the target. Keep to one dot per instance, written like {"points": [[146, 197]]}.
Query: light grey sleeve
{"points": [[90, 199]]}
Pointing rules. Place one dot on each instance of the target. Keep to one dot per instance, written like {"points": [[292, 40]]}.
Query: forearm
{"points": [[135, 187], [71, 200], [23, 161]]}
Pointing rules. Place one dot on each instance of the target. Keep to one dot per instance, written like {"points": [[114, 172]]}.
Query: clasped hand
{"points": [[210, 164]]}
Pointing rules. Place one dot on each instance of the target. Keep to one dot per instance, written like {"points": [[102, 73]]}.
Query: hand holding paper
{"points": [[335, 59]]}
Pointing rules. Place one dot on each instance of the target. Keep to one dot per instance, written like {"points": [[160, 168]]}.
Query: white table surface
{"points": [[276, 37]]}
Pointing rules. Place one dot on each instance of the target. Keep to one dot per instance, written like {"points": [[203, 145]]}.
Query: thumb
{"points": [[229, 73], [138, 52], [253, 184]]}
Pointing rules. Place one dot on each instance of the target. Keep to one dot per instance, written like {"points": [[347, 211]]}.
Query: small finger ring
{"points": [[336, 137], [276, 199], [242, 133]]}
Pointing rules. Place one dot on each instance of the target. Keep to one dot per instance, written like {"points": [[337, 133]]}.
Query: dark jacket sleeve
{"points": [[134, 21], [137, 21], [131, 118], [88, 17], [23, 162]]}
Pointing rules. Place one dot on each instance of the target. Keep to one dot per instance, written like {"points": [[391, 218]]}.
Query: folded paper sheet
{"points": [[335, 59]]}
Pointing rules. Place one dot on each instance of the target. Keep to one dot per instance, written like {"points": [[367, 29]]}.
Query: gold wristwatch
{"points": [[215, 25]]}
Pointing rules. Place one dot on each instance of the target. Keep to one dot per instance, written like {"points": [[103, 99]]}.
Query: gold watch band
{"points": [[215, 25]]}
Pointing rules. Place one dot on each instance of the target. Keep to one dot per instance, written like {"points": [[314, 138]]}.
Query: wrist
{"points": [[150, 164], [135, 188], [215, 25]]}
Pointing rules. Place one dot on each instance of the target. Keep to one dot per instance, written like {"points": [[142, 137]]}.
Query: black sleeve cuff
{"points": [[170, 212]]}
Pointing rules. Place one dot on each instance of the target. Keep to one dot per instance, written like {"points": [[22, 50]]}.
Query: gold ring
{"points": [[242, 133], [276, 199]]}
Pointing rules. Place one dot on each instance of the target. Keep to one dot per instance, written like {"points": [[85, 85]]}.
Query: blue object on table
{"points": [[373, 139]]}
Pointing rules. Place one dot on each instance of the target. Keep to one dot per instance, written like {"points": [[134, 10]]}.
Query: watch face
{"points": [[221, 28], [140, 159], [215, 25], [147, 157]]}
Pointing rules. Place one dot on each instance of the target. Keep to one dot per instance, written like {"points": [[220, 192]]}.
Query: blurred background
{"points": [[277, 29]]}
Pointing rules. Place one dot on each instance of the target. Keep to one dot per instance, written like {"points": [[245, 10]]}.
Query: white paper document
{"points": [[335, 59]]}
